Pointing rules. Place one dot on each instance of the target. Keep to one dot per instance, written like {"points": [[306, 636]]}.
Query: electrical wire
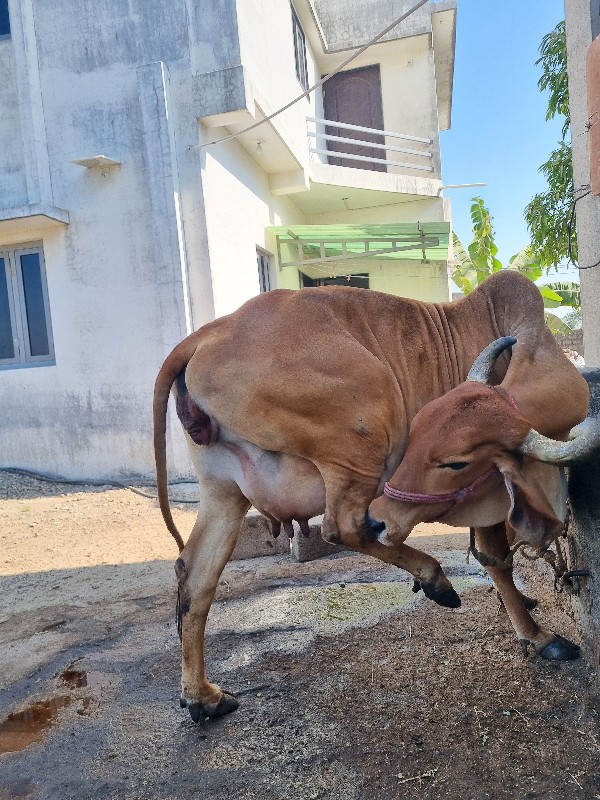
{"points": [[308, 91], [40, 476], [590, 266], [570, 230]]}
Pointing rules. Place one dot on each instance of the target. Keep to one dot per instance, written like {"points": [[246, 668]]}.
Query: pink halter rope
{"points": [[457, 497]]}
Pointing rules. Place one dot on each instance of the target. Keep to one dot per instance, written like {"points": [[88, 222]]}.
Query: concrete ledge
{"points": [[28, 222], [223, 97], [315, 546], [256, 539], [592, 376]]}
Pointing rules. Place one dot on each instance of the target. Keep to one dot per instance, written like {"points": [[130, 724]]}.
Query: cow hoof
{"points": [[560, 649], [198, 711], [443, 597]]}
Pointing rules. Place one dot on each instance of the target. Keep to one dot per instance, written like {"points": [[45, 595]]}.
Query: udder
{"points": [[282, 487]]}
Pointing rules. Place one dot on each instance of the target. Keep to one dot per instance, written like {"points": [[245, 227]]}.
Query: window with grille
{"points": [[360, 281], [595, 19], [25, 327], [4, 19], [300, 51], [264, 273]]}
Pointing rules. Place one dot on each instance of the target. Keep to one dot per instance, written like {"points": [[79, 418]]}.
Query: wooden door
{"points": [[355, 97]]}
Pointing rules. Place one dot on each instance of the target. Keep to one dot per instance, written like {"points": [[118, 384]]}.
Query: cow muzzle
{"points": [[376, 529], [384, 526]]}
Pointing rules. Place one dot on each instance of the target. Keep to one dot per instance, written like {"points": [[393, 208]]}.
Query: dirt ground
{"points": [[351, 687]]}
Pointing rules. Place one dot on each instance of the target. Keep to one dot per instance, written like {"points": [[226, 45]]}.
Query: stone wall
{"points": [[584, 533], [574, 341]]}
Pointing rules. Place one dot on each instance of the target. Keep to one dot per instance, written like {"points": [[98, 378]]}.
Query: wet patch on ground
{"points": [[22, 728]]}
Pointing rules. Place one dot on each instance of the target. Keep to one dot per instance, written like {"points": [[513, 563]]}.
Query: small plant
{"points": [[479, 261], [549, 215]]}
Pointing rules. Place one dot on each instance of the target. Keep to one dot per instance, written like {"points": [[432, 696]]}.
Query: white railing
{"points": [[318, 138]]}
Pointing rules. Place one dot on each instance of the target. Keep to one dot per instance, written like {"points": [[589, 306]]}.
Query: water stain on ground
{"points": [[74, 678], [88, 679], [22, 728]]}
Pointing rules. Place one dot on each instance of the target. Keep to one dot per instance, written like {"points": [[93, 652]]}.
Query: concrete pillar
{"points": [[582, 21], [162, 175], [31, 107], [163, 185]]}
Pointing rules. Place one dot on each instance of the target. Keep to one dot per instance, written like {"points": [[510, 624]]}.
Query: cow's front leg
{"points": [[493, 542], [198, 568], [347, 522]]}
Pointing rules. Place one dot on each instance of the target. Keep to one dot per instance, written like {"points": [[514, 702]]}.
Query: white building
{"points": [[122, 228]]}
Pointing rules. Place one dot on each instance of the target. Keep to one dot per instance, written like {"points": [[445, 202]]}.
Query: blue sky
{"points": [[499, 133]]}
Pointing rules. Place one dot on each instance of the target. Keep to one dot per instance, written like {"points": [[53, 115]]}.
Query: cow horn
{"points": [[482, 366], [584, 440]]}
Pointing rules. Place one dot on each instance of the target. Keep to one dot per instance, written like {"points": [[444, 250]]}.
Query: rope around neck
{"points": [[457, 497]]}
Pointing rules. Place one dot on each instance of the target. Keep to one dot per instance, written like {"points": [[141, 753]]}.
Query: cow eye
{"points": [[455, 465]]}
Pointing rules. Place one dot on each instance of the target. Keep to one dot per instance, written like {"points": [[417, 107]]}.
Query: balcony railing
{"points": [[350, 146]]}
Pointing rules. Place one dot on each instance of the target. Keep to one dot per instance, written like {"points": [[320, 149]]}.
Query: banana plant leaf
{"points": [[568, 291], [556, 324], [527, 263], [551, 298]]}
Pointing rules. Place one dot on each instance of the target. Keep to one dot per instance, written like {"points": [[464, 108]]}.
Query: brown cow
{"points": [[301, 402], [475, 456]]}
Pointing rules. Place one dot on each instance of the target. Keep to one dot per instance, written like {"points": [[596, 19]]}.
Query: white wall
{"points": [[239, 207], [267, 50], [115, 301], [421, 281], [427, 209]]}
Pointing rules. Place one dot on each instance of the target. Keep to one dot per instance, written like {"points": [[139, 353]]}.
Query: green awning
{"points": [[305, 246]]}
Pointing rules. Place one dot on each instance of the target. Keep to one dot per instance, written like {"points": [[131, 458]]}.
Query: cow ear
{"points": [[531, 518]]}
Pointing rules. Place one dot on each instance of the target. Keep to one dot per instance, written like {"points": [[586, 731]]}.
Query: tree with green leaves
{"points": [[473, 265], [549, 215]]}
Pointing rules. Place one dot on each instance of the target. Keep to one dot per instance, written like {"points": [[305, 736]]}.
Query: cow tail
{"points": [[174, 364]]}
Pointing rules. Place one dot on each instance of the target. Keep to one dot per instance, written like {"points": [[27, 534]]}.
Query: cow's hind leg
{"points": [[198, 568], [493, 543]]}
